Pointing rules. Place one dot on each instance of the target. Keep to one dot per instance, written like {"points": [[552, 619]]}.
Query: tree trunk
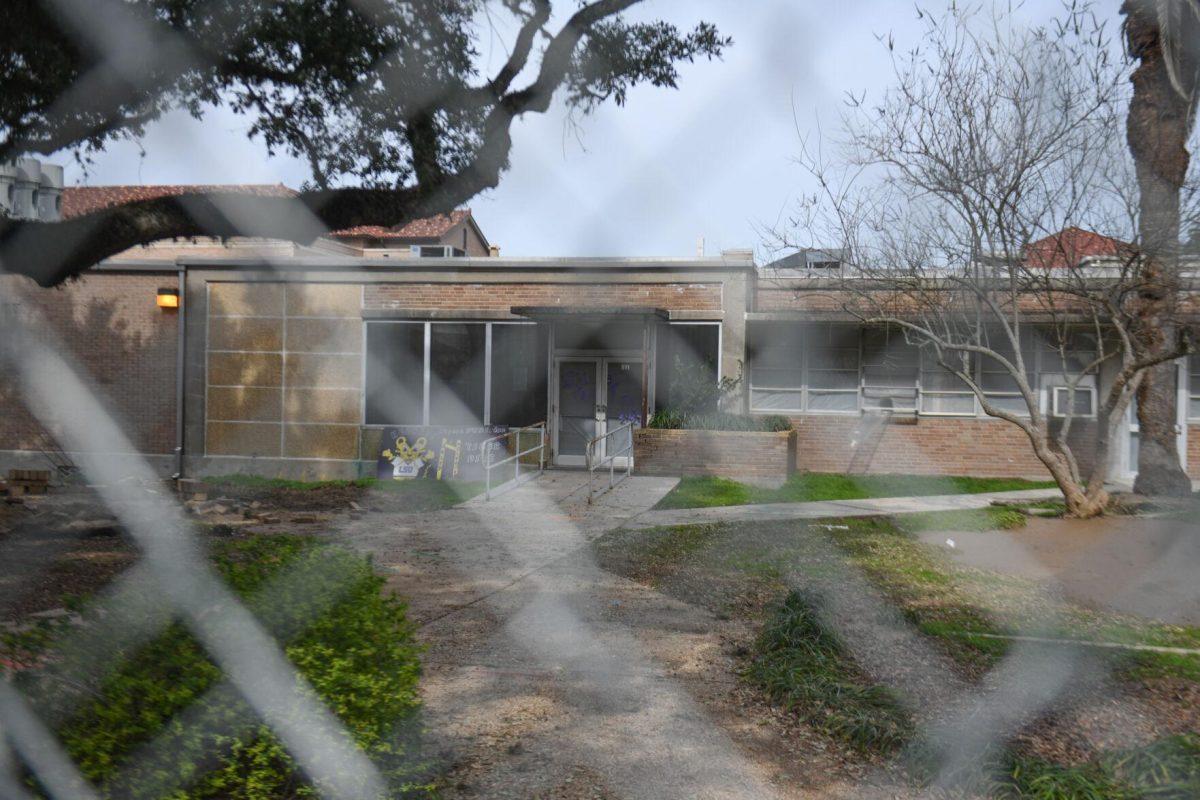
{"points": [[1081, 503], [1157, 130]]}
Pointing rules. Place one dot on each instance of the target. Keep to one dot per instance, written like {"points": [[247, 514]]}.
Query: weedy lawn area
{"points": [[803, 487], [1133, 734], [383, 495], [144, 711]]}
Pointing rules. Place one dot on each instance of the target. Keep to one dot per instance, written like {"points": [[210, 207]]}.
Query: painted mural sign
{"points": [[435, 453]]}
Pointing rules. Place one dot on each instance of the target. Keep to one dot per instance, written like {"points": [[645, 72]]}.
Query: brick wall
{"points": [[502, 296], [124, 344], [749, 457], [1193, 451], [923, 446]]}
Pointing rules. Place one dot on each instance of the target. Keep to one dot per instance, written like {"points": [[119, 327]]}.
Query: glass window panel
{"points": [[456, 366], [936, 378], [775, 355], [882, 397], [889, 362], [1081, 407], [998, 382], [832, 401], [686, 366], [961, 404], [831, 379], [576, 406], [518, 374], [395, 373], [1015, 405], [939, 379], [775, 400], [777, 378], [1194, 387]]}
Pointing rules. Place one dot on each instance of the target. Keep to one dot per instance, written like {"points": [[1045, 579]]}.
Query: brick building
{"points": [[306, 361]]}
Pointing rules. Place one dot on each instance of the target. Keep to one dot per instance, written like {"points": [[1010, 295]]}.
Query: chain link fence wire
{"points": [[625, 717]]}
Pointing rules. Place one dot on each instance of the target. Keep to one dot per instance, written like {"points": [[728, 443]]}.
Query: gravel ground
{"points": [[548, 677]]}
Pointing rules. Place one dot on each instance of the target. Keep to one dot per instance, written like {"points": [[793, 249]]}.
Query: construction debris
{"points": [[23, 482]]}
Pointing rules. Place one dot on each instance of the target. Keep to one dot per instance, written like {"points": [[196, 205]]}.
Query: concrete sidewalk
{"points": [[774, 512]]}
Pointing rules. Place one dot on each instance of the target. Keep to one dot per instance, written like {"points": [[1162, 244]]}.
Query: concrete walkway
{"points": [[775, 512]]}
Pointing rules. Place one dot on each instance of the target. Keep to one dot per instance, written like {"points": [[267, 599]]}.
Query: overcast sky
{"points": [[713, 159]]}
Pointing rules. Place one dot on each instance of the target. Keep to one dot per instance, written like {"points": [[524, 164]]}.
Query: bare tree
{"points": [[1164, 36], [961, 202]]}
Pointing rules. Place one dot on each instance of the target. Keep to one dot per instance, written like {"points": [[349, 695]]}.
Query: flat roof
{"points": [[451, 264]]}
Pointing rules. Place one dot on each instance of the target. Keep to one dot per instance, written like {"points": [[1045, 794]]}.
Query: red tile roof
{"points": [[425, 228], [1070, 246], [80, 200]]}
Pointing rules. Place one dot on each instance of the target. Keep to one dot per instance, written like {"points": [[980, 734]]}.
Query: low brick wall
{"points": [[751, 457], [925, 445]]}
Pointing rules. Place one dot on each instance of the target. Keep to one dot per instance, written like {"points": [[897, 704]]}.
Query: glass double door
{"points": [[595, 395]]}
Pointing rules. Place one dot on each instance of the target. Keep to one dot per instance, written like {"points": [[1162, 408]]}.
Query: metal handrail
{"points": [[489, 465], [609, 460]]}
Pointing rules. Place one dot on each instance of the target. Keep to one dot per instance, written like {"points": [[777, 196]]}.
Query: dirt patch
{"points": [[1129, 565], [324, 498], [55, 547]]}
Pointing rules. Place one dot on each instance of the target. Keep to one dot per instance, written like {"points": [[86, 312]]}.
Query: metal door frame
{"points": [[556, 415], [600, 403]]}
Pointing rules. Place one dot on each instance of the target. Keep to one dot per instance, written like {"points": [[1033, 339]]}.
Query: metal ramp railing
{"points": [[609, 459], [491, 445], [48, 446]]}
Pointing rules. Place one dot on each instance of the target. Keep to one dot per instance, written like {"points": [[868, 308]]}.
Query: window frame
{"points": [[1054, 394], [1193, 386], [427, 372], [1040, 375], [864, 386]]}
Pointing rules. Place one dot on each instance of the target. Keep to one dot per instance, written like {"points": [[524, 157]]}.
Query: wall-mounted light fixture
{"points": [[168, 298]]}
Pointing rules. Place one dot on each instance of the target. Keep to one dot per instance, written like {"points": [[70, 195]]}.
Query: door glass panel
{"points": [[576, 406], [624, 401]]}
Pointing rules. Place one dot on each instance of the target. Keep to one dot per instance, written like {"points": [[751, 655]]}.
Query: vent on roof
{"points": [[436, 251], [30, 189], [823, 259]]}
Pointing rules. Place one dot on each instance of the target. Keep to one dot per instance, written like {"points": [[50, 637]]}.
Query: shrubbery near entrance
{"points": [[668, 419]]}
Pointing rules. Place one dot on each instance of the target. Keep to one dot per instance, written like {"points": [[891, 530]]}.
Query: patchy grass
{"points": [[1167, 768], [800, 663], [326, 609], [742, 570], [408, 495], [261, 482], [803, 487], [992, 518]]}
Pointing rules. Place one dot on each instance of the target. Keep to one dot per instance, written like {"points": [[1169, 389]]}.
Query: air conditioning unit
{"points": [[30, 189], [50, 193], [436, 251], [8, 188]]}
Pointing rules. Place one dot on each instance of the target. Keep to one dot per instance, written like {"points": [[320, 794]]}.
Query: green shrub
{"points": [[801, 664], [350, 641]]}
